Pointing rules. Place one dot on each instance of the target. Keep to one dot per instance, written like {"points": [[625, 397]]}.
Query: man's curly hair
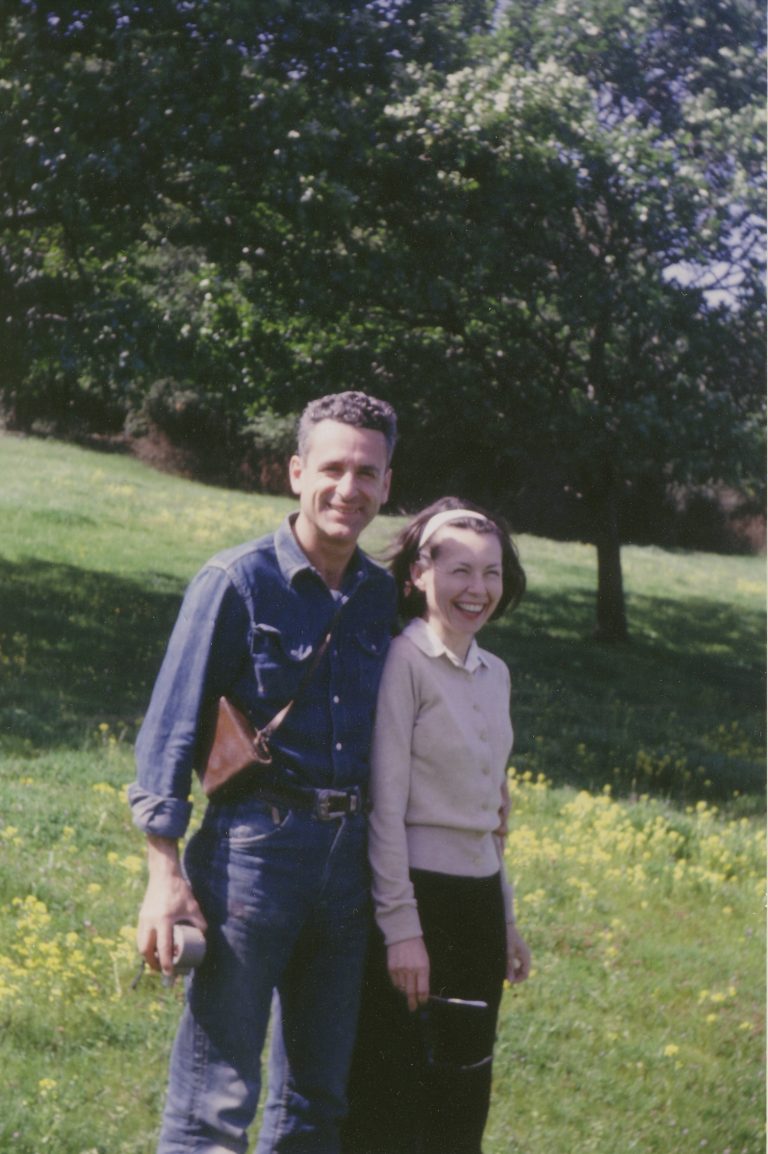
{"points": [[350, 408]]}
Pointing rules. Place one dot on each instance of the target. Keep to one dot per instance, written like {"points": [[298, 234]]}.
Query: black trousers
{"points": [[409, 1092]]}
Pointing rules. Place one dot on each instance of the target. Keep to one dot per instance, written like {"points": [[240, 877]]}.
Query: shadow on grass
{"points": [[692, 645], [677, 712], [78, 649]]}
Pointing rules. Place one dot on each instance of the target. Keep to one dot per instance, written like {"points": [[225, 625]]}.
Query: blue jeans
{"points": [[287, 903]]}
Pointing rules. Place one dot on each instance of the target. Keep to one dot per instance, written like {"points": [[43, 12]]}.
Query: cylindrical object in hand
{"points": [[188, 948]]}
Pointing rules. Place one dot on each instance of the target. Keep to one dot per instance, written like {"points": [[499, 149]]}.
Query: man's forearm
{"points": [[168, 899], [163, 857]]}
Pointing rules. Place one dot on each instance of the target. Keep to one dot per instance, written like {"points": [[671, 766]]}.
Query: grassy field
{"points": [[637, 845]]}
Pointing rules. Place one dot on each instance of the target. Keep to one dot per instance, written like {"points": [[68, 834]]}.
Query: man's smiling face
{"points": [[341, 482]]}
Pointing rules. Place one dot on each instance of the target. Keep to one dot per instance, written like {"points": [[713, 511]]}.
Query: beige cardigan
{"points": [[441, 745]]}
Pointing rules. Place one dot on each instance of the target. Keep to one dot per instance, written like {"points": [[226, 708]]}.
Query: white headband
{"points": [[444, 518]]}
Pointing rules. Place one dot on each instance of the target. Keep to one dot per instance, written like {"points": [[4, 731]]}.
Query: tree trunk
{"points": [[611, 622]]}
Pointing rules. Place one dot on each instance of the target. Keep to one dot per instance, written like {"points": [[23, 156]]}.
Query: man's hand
{"points": [[408, 965], [168, 900]]}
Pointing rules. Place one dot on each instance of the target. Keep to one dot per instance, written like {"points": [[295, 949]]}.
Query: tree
{"points": [[675, 184], [179, 191], [536, 231], [537, 211]]}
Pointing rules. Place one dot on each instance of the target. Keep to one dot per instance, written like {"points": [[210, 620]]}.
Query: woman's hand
{"points": [[505, 807], [408, 965], [518, 956]]}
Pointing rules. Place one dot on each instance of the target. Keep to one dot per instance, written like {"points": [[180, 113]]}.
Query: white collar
{"points": [[424, 638]]}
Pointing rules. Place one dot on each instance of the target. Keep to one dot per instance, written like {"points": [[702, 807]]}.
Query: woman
{"points": [[422, 1075]]}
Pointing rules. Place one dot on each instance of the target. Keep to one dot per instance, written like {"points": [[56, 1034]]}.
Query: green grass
{"points": [[642, 1025]]}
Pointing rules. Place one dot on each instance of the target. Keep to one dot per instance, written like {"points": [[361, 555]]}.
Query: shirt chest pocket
{"points": [[278, 662], [366, 657]]}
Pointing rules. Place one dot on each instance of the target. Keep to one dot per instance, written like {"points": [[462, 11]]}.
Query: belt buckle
{"points": [[326, 810]]}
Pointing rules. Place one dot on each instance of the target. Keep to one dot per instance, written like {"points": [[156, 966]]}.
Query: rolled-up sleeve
{"points": [[206, 648], [162, 816]]}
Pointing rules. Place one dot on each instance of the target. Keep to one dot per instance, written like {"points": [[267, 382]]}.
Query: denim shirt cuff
{"points": [[161, 816]]}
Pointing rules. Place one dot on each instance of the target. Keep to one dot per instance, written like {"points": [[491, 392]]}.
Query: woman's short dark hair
{"points": [[405, 552]]}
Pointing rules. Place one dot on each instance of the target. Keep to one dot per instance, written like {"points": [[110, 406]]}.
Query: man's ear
{"points": [[295, 470], [386, 486]]}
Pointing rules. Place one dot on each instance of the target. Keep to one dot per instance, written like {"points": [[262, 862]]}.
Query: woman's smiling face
{"points": [[463, 584]]}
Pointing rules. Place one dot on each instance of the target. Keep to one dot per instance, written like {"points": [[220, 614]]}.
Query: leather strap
{"points": [[309, 672]]}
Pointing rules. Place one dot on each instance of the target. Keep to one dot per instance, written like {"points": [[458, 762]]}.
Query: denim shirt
{"points": [[248, 625]]}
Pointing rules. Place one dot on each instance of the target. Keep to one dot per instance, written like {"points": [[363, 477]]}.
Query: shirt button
{"points": [[336, 700], [338, 745]]}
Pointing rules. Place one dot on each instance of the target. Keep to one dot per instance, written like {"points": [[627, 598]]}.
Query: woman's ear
{"points": [[417, 575]]}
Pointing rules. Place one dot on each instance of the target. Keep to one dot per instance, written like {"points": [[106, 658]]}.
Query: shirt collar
{"points": [[424, 638], [293, 560]]}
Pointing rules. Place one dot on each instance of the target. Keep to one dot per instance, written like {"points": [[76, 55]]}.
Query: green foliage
{"points": [[535, 230], [149, 144], [184, 414], [634, 1009]]}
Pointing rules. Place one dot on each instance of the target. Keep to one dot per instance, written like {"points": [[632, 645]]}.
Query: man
{"points": [[277, 877]]}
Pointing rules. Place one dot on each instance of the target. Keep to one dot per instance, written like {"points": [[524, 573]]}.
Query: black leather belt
{"points": [[323, 804]]}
